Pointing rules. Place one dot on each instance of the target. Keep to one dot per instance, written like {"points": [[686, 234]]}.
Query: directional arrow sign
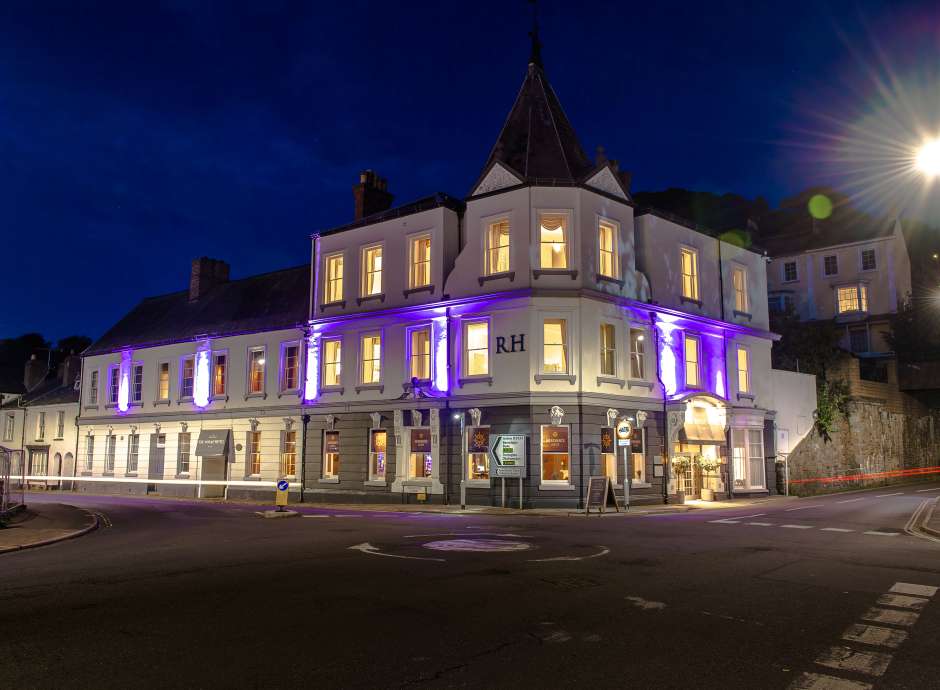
{"points": [[366, 547], [507, 455]]}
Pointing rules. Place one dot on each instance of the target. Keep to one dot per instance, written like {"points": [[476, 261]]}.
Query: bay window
{"points": [[497, 247], [476, 348], [554, 347], [607, 249], [689, 264], [553, 240]]}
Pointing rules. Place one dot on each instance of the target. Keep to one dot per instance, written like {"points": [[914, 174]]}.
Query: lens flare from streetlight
{"points": [[928, 158]]}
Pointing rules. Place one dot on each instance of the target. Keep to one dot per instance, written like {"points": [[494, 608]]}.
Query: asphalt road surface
{"points": [[185, 594]]}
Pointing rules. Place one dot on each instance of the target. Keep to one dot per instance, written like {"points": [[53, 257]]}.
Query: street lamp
{"points": [[928, 158]]}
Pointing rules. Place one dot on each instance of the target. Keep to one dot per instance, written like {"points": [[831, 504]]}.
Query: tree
{"points": [[16, 351], [915, 330], [73, 344], [810, 347]]}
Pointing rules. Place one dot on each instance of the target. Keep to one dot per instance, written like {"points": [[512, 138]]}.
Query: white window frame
{"points": [[412, 264], [89, 452], [744, 306], [339, 383], [364, 274], [253, 443], [180, 472], [114, 385], [615, 259], [862, 305], [861, 259], [41, 426], [796, 271], [213, 395], [110, 453], [362, 360], [746, 390], [133, 398], [373, 478], [282, 367], [327, 280], [94, 383], [644, 356], [600, 348], [695, 276], [566, 233], [488, 223], [464, 351], [749, 483], [9, 425], [264, 372], [565, 319], [409, 351], [169, 387], [554, 483], [284, 454], [826, 272], [182, 371], [60, 424], [698, 360], [132, 467]]}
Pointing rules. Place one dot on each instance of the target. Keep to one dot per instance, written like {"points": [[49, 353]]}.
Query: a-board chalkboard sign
{"points": [[600, 494]]}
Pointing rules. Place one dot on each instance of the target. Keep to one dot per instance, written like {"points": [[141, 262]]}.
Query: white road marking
{"points": [[315, 516], [819, 681], [901, 601], [790, 510], [603, 552], [797, 526], [345, 515], [881, 534], [852, 500], [646, 604], [466, 534], [875, 636], [558, 636], [835, 529], [366, 547], [899, 493], [762, 524], [847, 659], [741, 517], [726, 522], [936, 488], [477, 545], [891, 617], [915, 590]]}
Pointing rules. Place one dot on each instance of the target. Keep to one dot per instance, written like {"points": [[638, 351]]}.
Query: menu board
{"points": [[607, 439], [377, 440], [421, 440], [331, 442]]}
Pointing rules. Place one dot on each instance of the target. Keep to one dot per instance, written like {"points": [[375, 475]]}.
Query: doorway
{"points": [[213, 469], [703, 469], [156, 460]]}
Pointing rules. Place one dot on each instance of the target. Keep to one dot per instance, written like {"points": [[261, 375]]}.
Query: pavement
{"points": [[44, 524], [825, 592]]}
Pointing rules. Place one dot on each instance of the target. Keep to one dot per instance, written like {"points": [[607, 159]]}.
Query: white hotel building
{"points": [[545, 304]]}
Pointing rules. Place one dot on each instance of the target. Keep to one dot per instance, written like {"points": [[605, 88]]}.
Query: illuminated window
{"points": [[852, 298], [371, 358], [8, 426], [831, 265], [331, 455], [290, 364], [556, 454], [638, 354], [378, 443], [41, 426], [553, 240], [133, 452], [187, 373], [93, 388], [114, 383], [334, 278], [137, 383], [89, 453], [554, 347], [478, 463], [744, 380], [477, 348], [638, 459], [419, 466], [253, 453], [790, 274], [420, 354], [256, 362], [739, 283], [608, 350], [497, 247], [110, 445], [182, 453], [747, 452], [691, 360], [420, 266], [219, 371], [868, 260], [689, 259], [163, 381], [60, 424], [38, 462], [288, 453], [371, 271], [332, 362], [607, 249]]}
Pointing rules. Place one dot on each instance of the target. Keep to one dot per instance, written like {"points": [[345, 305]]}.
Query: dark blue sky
{"points": [[138, 135]]}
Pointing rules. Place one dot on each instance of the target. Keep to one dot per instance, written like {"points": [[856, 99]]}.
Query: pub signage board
{"points": [[421, 440], [554, 439], [331, 442], [600, 494], [478, 439], [377, 440], [607, 440]]}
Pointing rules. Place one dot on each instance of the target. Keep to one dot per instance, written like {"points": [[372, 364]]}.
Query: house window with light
{"points": [[747, 452], [868, 260], [187, 376], [637, 354], [133, 452], [182, 453], [371, 271], [419, 274], [554, 346], [332, 362], [137, 383], [744, 379], [253, 453], [219, 374], [477, 348], [331, 457], [420, 354], [114, 384], [739, 284], [333, 287], [608, 350], [290, 367], [371, 359], [607, 249], [852, 298], [497, 247], [288, 453], [553, 240], [689, 264], [256, 362], [163, 381], [691, 360], [93, 388]]}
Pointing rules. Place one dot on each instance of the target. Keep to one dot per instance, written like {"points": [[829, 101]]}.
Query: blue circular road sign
{"points": [[282, 485]]}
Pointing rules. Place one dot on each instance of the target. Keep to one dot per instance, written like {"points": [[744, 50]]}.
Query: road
{"points": [[188, 594]]}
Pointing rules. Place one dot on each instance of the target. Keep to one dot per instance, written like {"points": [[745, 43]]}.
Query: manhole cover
{"points": [[488, 545]]}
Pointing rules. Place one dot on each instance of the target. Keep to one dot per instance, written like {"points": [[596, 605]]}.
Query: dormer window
{"points": [[333, 287], [689, 262], [852, 298], [607, 249], [419, 274], [553, 240], [371, 271], [497, 247]]}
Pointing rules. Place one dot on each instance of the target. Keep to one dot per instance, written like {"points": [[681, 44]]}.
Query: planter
{"points": [[708, 495], [680, 498]]}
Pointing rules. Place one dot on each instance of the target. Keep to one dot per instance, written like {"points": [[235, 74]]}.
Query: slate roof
{"points": [[266, 302], [49, 392], [11, 379], [784, 234], [425, 204], [537, 140]]}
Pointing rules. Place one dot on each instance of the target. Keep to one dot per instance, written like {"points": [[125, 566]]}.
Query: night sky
{"points": [[136, 136]]}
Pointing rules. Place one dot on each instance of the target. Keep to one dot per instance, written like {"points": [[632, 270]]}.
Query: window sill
{"points": [[289, 392], [611, 379], [416, 290], [570, 378], [59, 438], [638, 383], [746, 396], [790, 282], [570, 272], [640, 485], [328, 480], [86, 473], [215, 398], [182, 475], [107, 474], [600, 278], [475, 379], [95, 407], [689, 300], [253, 478], [375, 482], [130, 474], [110, 406], [380, 387], [332, 389], [497, 276], [370, 298], [262, 396], [180, 401], [478, 484], [556, 486], [743, 314], [161, 402], [330, 305], [416, 481]]}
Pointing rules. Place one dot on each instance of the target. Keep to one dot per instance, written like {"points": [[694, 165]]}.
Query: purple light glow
{"points": [[124, 381], [672, 360], [201, 379], [312, 379], [439, 335]]}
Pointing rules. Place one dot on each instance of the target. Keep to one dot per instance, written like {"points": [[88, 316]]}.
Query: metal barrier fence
{"points": [[12, 479]]}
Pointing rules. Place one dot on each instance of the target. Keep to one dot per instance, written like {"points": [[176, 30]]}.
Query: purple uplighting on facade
{"points": [[124, 388], [312, 378], [201, 378]]}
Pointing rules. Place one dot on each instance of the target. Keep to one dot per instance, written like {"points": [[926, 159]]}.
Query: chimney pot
{"points": [[371, 195], [205, 274]]}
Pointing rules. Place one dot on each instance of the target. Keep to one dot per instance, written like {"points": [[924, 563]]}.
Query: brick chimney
{"points": [[206, 273], [34, 373], [371, 195], [70, 369]]}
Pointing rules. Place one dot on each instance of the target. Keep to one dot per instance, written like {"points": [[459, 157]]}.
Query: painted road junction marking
{"points": [[477, 545]]}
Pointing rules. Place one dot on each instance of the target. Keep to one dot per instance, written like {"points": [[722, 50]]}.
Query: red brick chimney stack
{"points": [[371, 195], [205, 274]]}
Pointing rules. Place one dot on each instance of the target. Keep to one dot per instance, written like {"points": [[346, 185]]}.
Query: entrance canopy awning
{"points": [[702, 433], [213, 442]]}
